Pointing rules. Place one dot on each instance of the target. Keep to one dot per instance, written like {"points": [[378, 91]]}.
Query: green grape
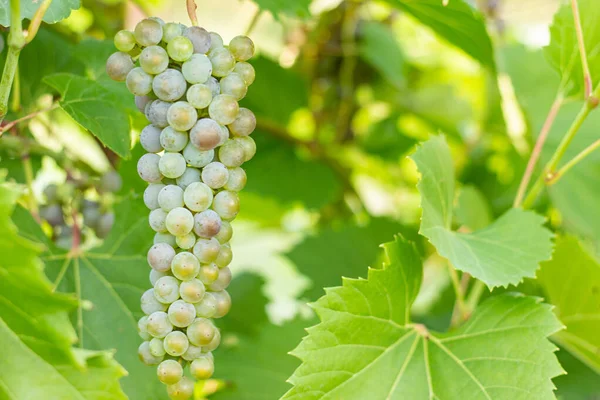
{"points": [[156, 275], [222, 281], [201, 332], [196, 157], [199, 38], [225, 256], [142, 101], [206, 134], [237, 179], [172, 140], [159, 20], [176, 343], [186, 242], [181, 314], [215, 175], [156, 219], [216, 41], [213, 343], [214, 86], [169, 85], [249, 146], [171, 30], [192, 291], [172, 165], [202, 368], [149, 303], [150, 139], [166, 289], [197, 196], [224, 135], [185, 266], [180, 48], [199, 95], [207, 250], [170, 197], [91, 213], [179, 221], [165, 238], [242, 48], [247, 72], [207, 223], [157, 348], [146, 357], [124, 41], [233, 84], [154, 60], [193, 352], [105, 224], [139, 82], [197, 69], [151, 195], [207, 307], [118, 66], [222, 61], [156, 113], [143, 328], [225, 233], [226, 204], [147, 167], [169, 372], [232, 154], [160, 256], [208, 273], [224, 109], [148, 32], [159, 325], [223, 304], [182, 116], [244, 124], [182, 390], [191, 175]]}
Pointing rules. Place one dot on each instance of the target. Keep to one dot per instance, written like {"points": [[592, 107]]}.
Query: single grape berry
{"points": [[154, 60], [124, 41], [180, 48], [148, 32], [205, 134], [139, 82], [191, 175], [169, 372], [242, 48], [118, 66], [199, 37], [169, 85]]}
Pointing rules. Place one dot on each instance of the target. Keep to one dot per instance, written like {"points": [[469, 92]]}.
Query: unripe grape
{"points": [[207, 223], [186, 242], [191, 175], [223, 304], [143, 328], [160, 256], [171, 30], [244, 124], [224, 135], [227, 204], [159, 325], [124, 41], [149, 303], [139, 82], [205, 134], [166, 289], [225, 233], [156, 219], [196, 157], [201, 332], [202, 368], [169, 372], [208, 273], [224, 109], [159, 20], [199, 95], [180, 48], [237, 179], [182, 116], [199, 38], [216, 40], [192, 291], [157, 348], [207, 307], [142, 101], [146, 357], [147, 167], [222, 61], [91, 213], [225, 256], [215, 175], [194, 352], [118, 66], [150, 139], [247, 72], [155, 275], [222, 281], [105, 224], [176, 343], [181, 314], [170, 197], [154, 60], [185, 266], [232, 154], [242, 48], [169, 85], [179, 221], [172, 165], [197, 69], [165, 238], [214, 86], [156, 113], [214, 343], [151, 195], [148, 32], [234, 85], [207, 250], [182, 390], [249, 146], [173, 140], [197, 196]]}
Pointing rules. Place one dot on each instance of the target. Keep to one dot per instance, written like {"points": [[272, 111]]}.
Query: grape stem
{"points": [[34, 114], [253, 21], [191, 10], [552, 179], [460, 312], [587, 76]]}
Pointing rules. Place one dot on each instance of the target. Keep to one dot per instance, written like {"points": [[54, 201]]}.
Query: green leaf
{"points": [[572, 282], [58, 10], [292, 8], [94, 108], [366, 347], [563, 51], [580, 382], [472, 209], [379, 48], [456, 22], [504, 253]]}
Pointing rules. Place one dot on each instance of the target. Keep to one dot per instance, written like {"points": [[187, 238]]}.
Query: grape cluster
{"points": [[188, 84]]}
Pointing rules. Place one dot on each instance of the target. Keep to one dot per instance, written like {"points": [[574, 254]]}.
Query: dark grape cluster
{"points": [[188, 84]]}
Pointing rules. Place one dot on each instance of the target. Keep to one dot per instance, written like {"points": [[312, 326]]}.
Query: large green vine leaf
{"points": [[366, 346], [504, 253], [58, 10], [572, 282]]}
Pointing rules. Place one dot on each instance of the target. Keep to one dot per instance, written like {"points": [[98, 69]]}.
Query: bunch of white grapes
{"points": [[188, 84]]}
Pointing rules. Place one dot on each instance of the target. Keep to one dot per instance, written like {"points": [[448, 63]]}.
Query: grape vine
{"points": [[188, 84]]}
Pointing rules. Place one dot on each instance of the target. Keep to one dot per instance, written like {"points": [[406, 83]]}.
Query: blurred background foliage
{"points": [[344, 91]]}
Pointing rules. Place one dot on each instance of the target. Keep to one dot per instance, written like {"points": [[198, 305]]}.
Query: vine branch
{"points": [[587, 76], [34, 114], [551, 180]]}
